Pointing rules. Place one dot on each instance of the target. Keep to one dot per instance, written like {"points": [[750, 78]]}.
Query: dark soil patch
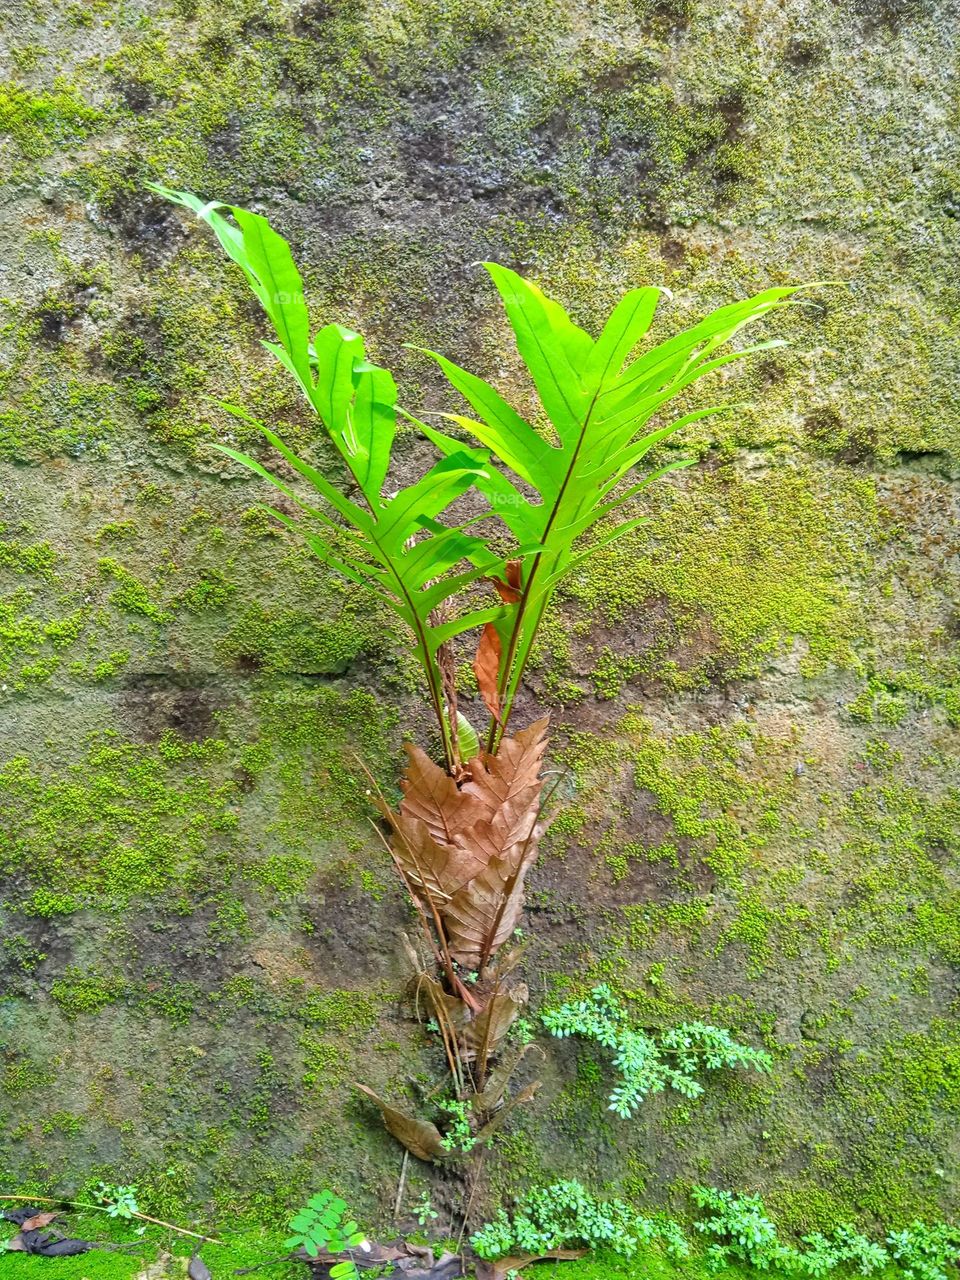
{"points": [[154, 703]]}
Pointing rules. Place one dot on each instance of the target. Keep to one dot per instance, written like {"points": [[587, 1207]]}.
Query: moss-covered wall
{"points": [[757, 699]]}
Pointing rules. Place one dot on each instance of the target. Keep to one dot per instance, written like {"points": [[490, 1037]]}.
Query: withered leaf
{"points": [[20, 1216], [486, 667], [508, 835], [492, 1093], [464, 853], [482, 915], [446, 1009], [476, 1031], [413, 1262], [410, 952], [447, 1267], [439, 870], [518, 1100], [509, 590], [509, 960], [500, 1269], [421, 1138], [513, 770], [431, 796], [34, 1238], [50, 1244], [37, 1221], [486, 1032]]}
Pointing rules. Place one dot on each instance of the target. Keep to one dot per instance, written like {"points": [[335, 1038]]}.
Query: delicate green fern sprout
{"points": [[926, 1250], [601, 405], [322, 1225], [739, 1228], [459, 1136], [565, 1215], [646, 1063]]}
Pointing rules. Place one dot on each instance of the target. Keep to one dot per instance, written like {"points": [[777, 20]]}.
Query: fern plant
{"points": [[565, 1215], [323, 1225], [600, 404], [649, 1063], [738, 1228], [465, 836], [394, 544]]}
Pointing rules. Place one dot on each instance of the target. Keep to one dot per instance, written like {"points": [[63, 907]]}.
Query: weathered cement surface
{"points": [[758, 700]]}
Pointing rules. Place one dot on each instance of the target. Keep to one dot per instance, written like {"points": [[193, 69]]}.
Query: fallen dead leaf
{"points": [[37, 1221], [421, 1138], [500, 1269]]}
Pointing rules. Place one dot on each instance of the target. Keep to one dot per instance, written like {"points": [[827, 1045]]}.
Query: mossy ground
{"points": [[250, 1247], [756, 699]]}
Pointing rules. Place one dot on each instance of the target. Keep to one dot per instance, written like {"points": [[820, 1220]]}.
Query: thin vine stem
{"points": [[99, 1208]]}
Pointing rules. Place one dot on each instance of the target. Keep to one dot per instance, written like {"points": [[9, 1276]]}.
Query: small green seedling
{"points": [[424, 1210], [320, 1226], [119, 1202]]}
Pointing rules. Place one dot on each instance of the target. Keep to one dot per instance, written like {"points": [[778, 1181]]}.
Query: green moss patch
{"points": [[767, 558]]}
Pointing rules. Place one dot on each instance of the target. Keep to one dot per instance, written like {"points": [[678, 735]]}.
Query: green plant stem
{"points": [[511, 678], [99, 1208], [434, 682]]}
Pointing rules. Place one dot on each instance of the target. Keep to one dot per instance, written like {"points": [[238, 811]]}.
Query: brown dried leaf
{"points": [[465, 851], [447, 1267], [475, 1031], [511, 835], [411, 954], [490, 1097], [525, 1095], [38, 1220], [509, 591], [432, 797], [513, 770], [507, 962], [411, 1261], [484, 1033], [482, 915], [374, 1253], [442, 1006], [421, 1138], [439, 870], [486, 667], [500, 1269]]}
